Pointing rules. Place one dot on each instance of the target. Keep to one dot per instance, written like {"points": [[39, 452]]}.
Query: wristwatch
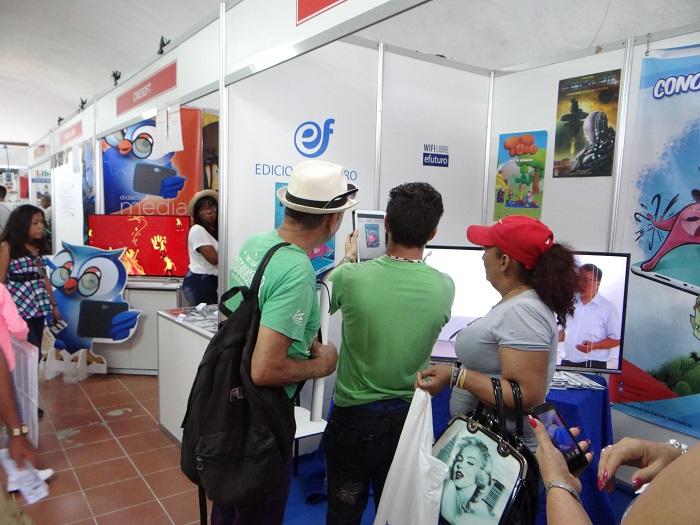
{"points": [[19, 431]]}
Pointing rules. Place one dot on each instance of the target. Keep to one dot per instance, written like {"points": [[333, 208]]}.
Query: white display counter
{"points": [[183, 336], [139, 354]]}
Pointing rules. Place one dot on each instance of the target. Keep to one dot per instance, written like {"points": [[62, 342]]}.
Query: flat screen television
{"points": [[474, 297], [598, 317], [156, 245]]}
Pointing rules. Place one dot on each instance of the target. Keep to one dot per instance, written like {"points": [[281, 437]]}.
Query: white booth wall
{"points": [[442, 105], [577, 209]]}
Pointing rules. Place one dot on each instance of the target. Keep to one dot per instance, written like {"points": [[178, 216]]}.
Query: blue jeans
{"points": [[269, 512], [35, 335], [360, 445], [200, 288]]}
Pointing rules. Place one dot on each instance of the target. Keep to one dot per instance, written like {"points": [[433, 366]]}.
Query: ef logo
{"points": [[310, 140]]}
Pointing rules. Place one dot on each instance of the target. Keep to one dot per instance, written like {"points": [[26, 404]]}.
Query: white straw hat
{"points": [[200, 195], [318, 187]]}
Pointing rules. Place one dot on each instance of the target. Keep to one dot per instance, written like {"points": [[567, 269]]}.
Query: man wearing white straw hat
{"points": [[286, 351]]}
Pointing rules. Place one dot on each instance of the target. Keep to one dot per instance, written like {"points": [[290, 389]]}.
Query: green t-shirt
{"points": [[393, 312], [287, 296]]}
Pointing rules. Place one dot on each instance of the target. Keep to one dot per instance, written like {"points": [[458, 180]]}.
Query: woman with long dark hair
{"points": [[202, 280], [518, 338], [23, 270]]}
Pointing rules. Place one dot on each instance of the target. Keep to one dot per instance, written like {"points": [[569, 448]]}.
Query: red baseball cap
{"points": [[518, 236]]}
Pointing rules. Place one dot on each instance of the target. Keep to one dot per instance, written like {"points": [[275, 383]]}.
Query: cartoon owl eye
{"points": [[115, 138], [61, 274], [89, 282], [142, 146]]}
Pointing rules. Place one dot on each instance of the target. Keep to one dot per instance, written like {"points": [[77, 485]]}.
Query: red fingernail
{"points": [[605, 476], [636, 483], [533, 422], [600, 484]]}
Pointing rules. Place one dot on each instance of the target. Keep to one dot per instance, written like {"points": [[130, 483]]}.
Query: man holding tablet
{"points": [[393, 308]]}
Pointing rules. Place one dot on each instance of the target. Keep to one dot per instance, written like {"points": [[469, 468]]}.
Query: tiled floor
{"points": [[113, 465]]}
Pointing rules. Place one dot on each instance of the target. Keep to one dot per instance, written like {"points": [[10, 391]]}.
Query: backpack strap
{"points": [[254, 285], [257, 278], [202, 506]]}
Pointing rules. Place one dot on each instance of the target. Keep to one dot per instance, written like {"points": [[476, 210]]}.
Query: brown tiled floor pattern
{"points": [[113, 464]]}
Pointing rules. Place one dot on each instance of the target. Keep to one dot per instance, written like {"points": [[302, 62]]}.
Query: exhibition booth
{"points": [[494, 143]]}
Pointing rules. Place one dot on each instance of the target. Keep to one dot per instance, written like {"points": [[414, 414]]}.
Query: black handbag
{"points": [[493, 476]]}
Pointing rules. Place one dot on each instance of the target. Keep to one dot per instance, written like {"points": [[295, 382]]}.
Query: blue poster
{"points": [[323, 256], [660, 379]]}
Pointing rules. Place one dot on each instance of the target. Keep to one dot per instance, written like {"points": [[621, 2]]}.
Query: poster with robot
{"points": [[143, 177], [584, 144], [660, 379], [520, 174]]}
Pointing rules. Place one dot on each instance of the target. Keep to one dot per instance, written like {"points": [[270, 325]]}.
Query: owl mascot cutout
{"points": [[88, 284]]}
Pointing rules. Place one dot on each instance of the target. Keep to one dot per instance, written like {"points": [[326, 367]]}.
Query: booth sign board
{"points": [[73, 132], [309, 8], [161, 81], [39, 151]]}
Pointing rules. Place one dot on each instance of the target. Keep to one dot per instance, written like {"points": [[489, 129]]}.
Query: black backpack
{"points": [[237, 437]]}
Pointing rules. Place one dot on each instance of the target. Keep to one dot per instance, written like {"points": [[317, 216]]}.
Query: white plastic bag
{"points": [[413, 487]]}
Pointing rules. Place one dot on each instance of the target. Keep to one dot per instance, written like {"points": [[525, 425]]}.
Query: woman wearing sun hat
{"points": [[518, 338], [202, 280]]}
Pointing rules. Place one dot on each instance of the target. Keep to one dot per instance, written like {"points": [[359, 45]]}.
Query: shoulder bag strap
{"points": [[498, 399], [254, 285], [518, 404]]}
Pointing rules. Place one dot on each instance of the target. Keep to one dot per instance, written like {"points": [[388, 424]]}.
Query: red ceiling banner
{"points": [[75, 131], [309, 8], [157, 84]]}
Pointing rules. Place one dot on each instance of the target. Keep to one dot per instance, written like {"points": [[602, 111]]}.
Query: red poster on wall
{"points": [[24, 186], [309, 8]]}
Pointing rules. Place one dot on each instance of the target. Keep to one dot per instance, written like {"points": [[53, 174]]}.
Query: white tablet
{"points": [[371, 235]]}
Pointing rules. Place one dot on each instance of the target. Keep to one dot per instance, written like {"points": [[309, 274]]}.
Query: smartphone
{"points": [[371, 238], [96, 317], [560, 436], [148, 178]]}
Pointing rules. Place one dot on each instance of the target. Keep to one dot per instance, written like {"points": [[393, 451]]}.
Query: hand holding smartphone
{"points": [[561, 437]]}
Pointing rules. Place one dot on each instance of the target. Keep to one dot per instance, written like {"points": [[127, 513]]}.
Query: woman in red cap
{"points": [[517, 339]]}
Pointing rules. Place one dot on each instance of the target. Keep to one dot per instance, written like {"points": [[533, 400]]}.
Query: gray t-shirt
{"points": [[524, 323]]}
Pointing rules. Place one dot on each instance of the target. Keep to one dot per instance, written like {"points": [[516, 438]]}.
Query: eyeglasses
{"points": [[339, 200], [141, 146]]}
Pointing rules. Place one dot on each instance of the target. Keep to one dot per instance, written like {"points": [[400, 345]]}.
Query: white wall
{"points": [[577, 209], [429, 103], [337, 81]]}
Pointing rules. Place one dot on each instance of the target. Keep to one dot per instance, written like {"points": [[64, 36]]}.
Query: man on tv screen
{"points": [[594, 329]]}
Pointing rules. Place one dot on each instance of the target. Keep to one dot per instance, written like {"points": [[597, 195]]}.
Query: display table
{"points": [[183, 336], [139, 353], [585, 408]]}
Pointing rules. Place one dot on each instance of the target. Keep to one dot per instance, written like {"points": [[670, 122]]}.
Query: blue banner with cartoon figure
{"points": [[660, 380]]}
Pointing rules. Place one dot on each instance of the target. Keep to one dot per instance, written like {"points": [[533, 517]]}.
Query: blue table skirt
{"points": [[588, 409]]}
